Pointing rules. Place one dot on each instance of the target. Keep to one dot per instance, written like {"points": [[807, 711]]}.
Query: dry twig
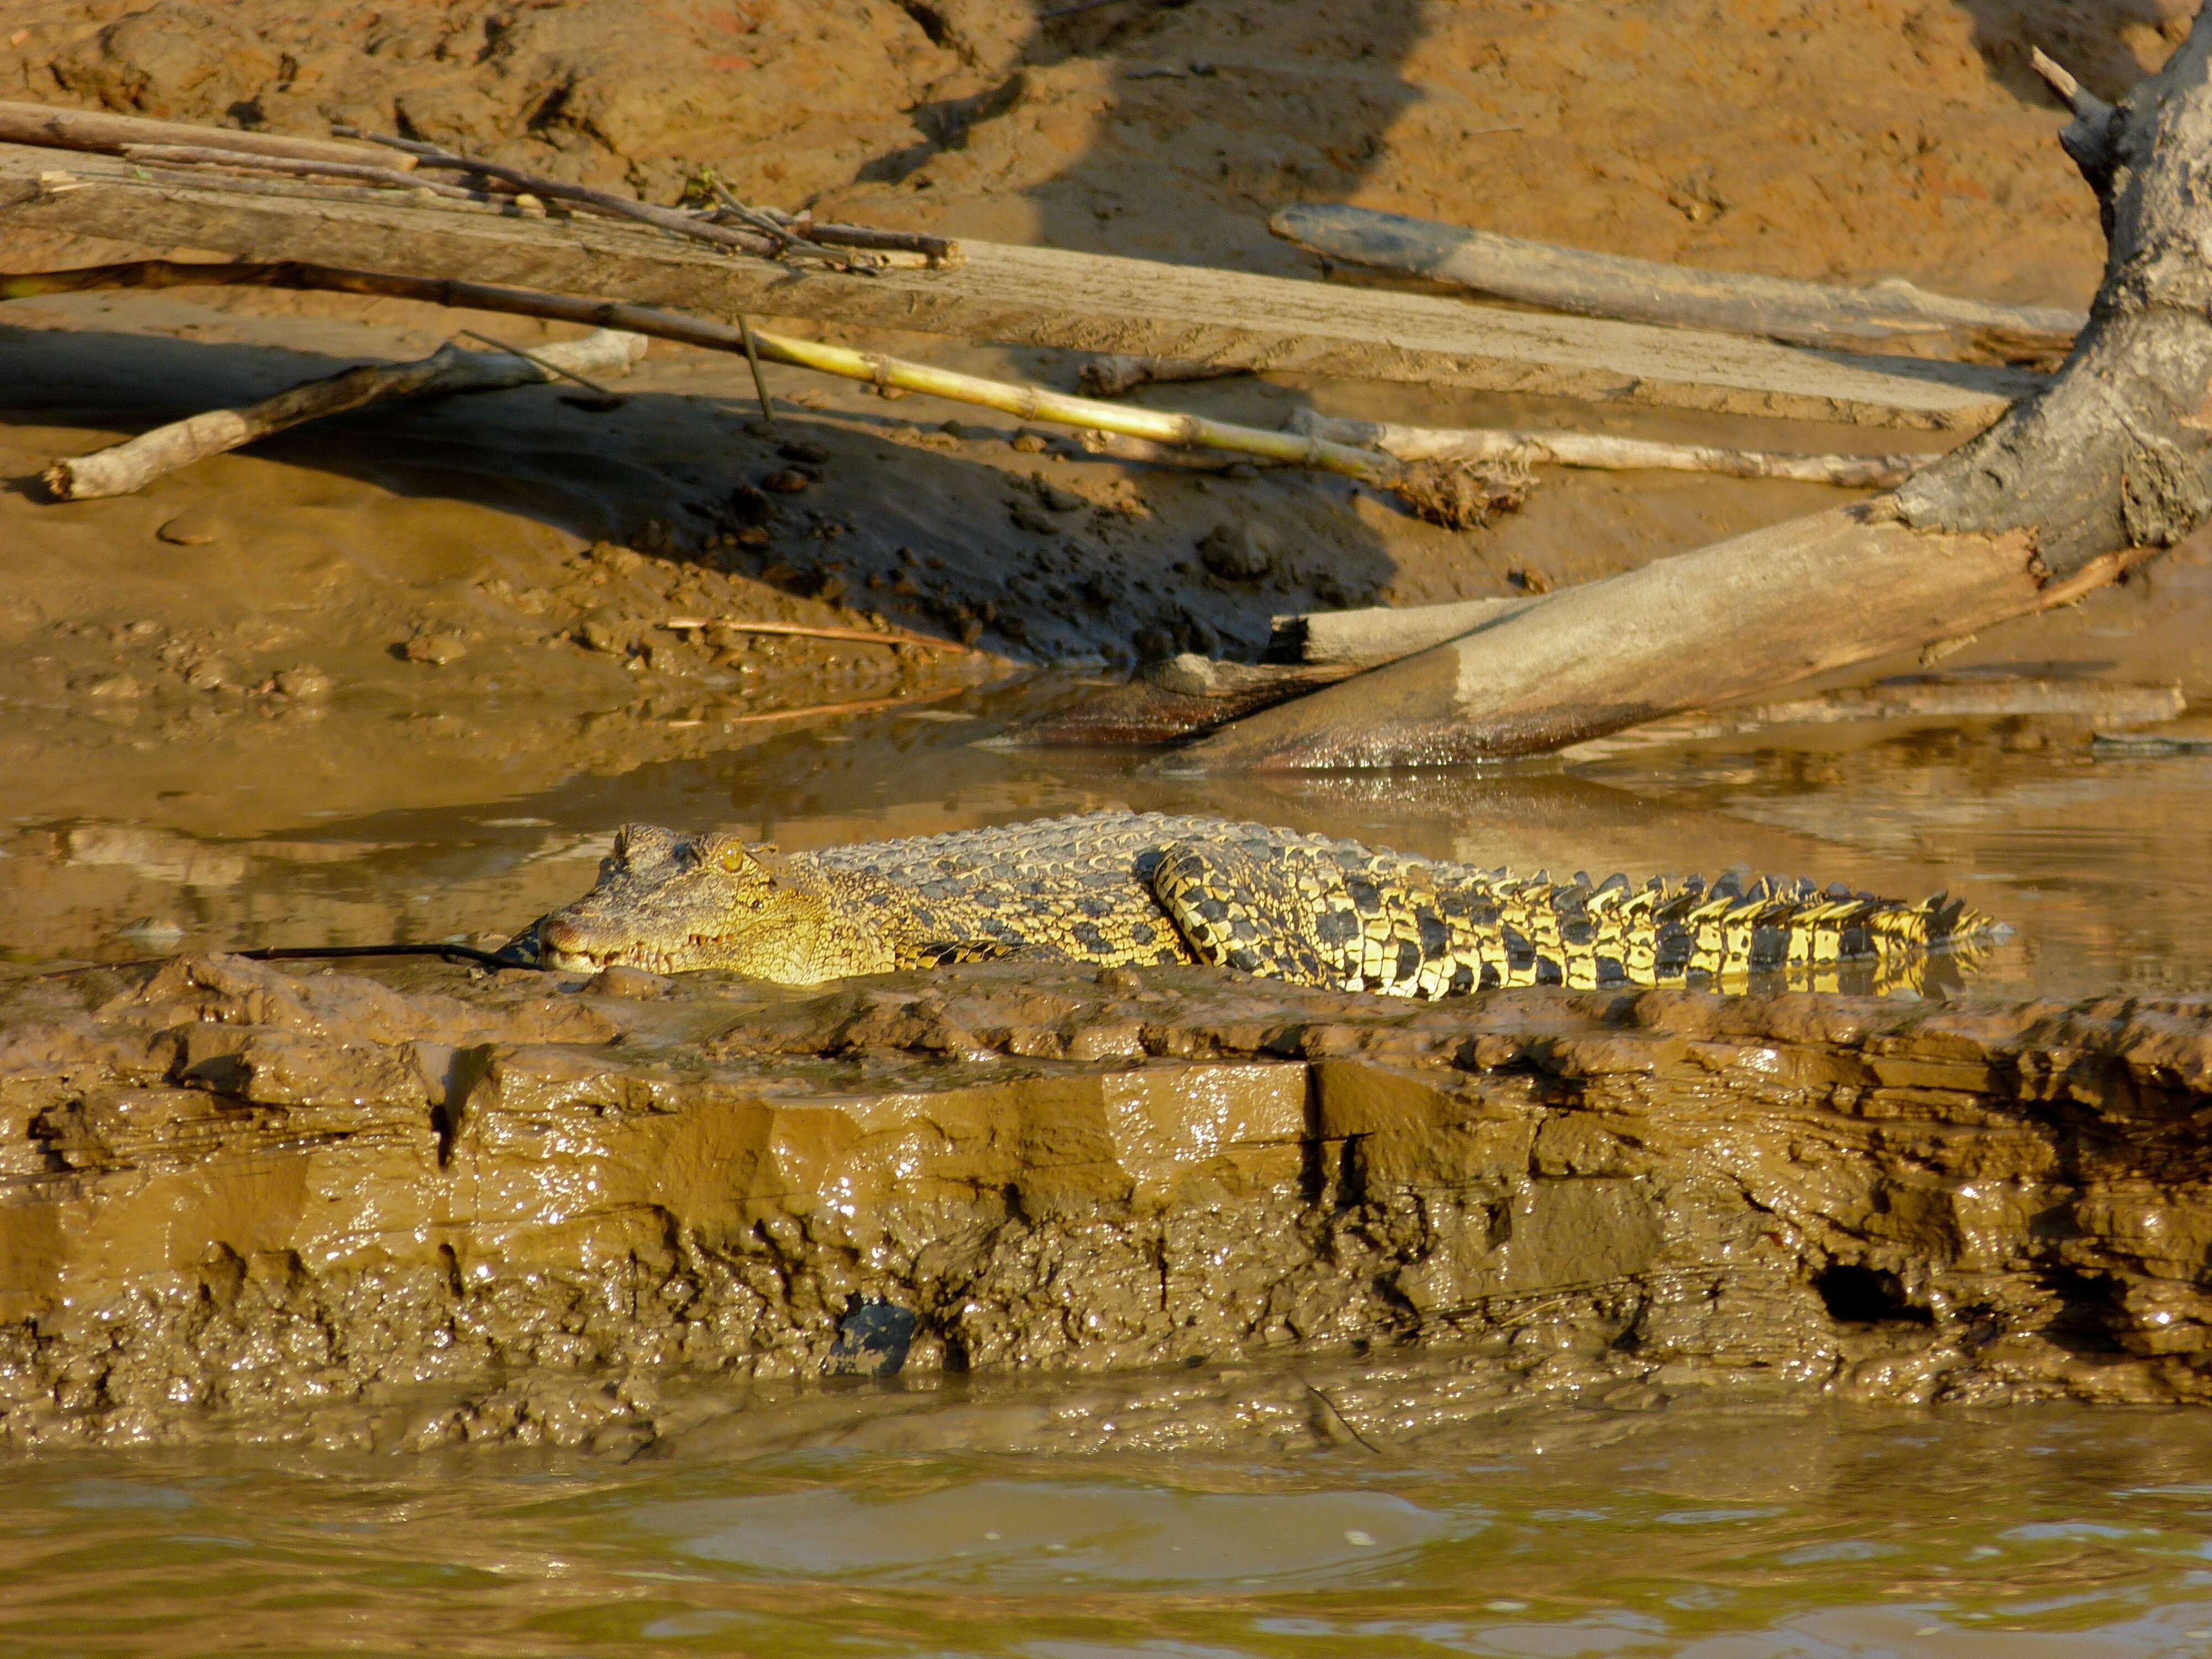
{"points": [[810, 631], [130, 465], [599, 201], [1586, 449], [198, 156]]}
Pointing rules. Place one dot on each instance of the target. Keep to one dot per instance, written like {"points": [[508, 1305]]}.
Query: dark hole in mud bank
{"points": [[1867, 1296]]}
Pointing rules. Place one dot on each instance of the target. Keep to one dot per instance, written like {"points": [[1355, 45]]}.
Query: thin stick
{"points": [[804, 630], [1583, 449], [124, 467], [870, 706], [622, 207], [752, 357], [1433, 488], [200, 156], [547, 364], [2083, 102], [47, 126]]}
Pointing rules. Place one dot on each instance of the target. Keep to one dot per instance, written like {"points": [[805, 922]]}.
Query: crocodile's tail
{"points": [[1405, 927]]}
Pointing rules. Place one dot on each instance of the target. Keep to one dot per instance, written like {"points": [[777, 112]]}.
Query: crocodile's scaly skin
{"points": [[1121, 887]]}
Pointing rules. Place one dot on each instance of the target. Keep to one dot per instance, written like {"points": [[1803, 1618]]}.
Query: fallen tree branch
{"points": [[598, 201], [1650, 291], [1585, 449], [1455, 494], [101, 133], [1450, 493], [132, 465]]}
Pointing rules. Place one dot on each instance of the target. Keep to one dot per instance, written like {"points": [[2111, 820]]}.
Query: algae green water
{"points": [[1718, 1531]]}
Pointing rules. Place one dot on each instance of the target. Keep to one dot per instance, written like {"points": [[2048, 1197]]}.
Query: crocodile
{"points": [[1130, 889]]}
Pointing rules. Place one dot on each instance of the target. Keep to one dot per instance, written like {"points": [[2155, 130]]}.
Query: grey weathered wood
{"points": [[2110, 464], [100, 131], [1370, 637], [136, 462], [1021, 297], [1650, 291], [1725, 622]]}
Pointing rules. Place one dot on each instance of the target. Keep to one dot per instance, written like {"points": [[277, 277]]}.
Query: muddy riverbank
{"points": [[432, 1208]]}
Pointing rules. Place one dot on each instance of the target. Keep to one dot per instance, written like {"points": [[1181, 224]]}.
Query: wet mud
{"points": [[434, 1206], [399, 677]]}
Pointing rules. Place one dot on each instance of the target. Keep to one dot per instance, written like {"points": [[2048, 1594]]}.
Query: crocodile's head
{"points": [[673, 904]]}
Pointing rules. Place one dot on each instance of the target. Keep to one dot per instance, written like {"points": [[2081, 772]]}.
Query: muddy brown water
{"points": [[1729, 1531], [2100, 862], [975, 1515]]}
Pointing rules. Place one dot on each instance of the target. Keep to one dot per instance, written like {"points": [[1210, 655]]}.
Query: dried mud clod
{"points": [[1460, 495]]}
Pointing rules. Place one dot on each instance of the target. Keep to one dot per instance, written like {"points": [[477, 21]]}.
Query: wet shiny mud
{"points": [[1718, 1531]]}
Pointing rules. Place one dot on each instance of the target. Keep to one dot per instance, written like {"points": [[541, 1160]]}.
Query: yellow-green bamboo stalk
{"points": [[1033, 403]]}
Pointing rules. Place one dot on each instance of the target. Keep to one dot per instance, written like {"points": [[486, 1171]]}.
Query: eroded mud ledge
{"points": [[431, 1207]]}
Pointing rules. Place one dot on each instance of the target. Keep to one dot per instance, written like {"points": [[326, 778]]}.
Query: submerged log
{"points": [[1651, 291], [2109, 465]]}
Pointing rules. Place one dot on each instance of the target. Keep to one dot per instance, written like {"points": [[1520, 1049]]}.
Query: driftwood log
{"points": [[136, 462], [1651, 291], [2110, 464], [1027, 296]]}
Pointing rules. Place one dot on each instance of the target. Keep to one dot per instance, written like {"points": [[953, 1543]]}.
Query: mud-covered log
{"points": [[2109, 465], [1651, 291]]}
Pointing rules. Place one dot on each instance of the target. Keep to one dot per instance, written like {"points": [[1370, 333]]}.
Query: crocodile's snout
{"points": [[562, 944]]}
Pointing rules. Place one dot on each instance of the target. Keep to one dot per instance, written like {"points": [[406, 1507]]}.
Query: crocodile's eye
{"points": [[733, 858]]}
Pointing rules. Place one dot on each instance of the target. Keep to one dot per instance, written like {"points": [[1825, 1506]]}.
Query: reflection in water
{"points": [[2099, 864], [1719, 1531]]}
